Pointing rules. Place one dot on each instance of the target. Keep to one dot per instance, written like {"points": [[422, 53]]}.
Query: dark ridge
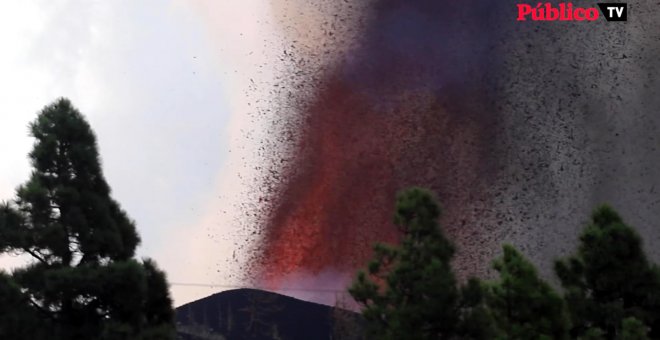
{"points": [[257, 314]]}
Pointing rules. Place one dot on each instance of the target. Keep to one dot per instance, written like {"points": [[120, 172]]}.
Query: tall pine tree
{"points": [[409, 291], [610, 280], [525, 306], [83, 282]]}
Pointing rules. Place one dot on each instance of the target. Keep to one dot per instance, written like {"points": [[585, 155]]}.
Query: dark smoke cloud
{"points": [[579, 128], [520, 129]]}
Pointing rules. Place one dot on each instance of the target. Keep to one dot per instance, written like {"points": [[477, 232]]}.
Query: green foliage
{"points": [[83, 282], [476, 319], [633, 329], [610, 278], [593, 334], [525, 306], [409, 291], [611, 290], [20, 320]]}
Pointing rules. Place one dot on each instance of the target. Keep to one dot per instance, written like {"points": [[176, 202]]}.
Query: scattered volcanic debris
{"points": [[402, 107], [519, 128]]}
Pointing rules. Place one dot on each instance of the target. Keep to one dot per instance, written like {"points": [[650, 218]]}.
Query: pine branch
{"points": [[41, 309], [35, 255]]}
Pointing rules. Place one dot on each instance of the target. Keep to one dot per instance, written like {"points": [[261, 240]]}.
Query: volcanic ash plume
{"points": [[404, 101], [519, 128]]}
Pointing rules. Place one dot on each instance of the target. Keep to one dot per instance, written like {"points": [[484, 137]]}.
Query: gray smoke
{"points": [[580, 110]]}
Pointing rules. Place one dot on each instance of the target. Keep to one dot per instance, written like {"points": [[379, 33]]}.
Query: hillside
{"points": [[256, 315]]}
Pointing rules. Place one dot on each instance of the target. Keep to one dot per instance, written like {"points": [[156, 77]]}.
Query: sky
{"points": [[167, 87]]}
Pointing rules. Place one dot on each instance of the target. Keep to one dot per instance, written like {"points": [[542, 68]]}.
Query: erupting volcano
{"points": [[459, 98], [410, 107]]}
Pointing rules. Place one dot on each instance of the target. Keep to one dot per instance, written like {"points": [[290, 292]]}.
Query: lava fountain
{"points": [[410, 106], [519, 128]]}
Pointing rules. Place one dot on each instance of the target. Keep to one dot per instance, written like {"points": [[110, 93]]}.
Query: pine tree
{"points": [[633, 329], [610, 279], [83, 282], [409, 291], [525, 306]]}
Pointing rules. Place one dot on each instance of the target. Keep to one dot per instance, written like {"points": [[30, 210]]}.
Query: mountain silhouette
{"points": [[256, 314]]}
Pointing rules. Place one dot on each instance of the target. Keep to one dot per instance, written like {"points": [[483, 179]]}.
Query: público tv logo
{"points": [[566, 11]]}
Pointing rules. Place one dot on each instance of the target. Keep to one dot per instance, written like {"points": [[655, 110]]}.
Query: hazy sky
{"points": [[164, 89]]}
